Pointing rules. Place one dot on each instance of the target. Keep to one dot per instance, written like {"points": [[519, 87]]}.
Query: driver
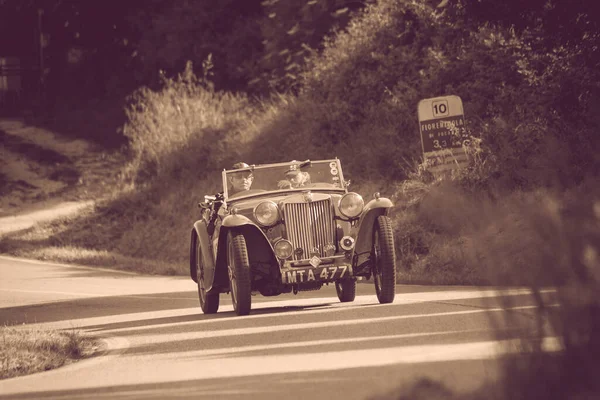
{"points": [[240, 181]]}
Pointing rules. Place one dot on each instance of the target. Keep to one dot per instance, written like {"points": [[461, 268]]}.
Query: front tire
{"points": [[384, 260], [346, 290], [239, 273], [209, 302]]}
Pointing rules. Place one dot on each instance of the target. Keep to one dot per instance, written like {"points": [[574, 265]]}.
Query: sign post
{"points": [[442, 126]]}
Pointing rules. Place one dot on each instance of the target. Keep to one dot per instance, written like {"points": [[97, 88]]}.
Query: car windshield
{"points": [[291, 176]]}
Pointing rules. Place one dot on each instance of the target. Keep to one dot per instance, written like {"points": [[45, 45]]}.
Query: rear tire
{"points": [[384, 260], [346, 290], [209, 302], [239, 273]]}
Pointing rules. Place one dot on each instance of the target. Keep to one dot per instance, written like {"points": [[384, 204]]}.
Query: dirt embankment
{"points": [[40, 168]]}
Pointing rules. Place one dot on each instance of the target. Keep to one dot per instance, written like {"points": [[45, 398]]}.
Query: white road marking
{"points": [[142, 370], [312, 343], [205, 334], [328, 304], [326, 361], [69, 266], [77, 294], [80, 294]]}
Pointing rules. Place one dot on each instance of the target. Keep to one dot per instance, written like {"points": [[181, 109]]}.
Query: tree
{"points": [[168, 34], [292, 31]]}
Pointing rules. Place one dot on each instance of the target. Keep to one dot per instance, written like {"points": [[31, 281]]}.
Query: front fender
{"points": [[231, 221], [364, 228], [258, 246], [200, 239]]}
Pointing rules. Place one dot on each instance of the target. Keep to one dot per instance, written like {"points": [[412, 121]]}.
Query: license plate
{"points": [[308, 274]]}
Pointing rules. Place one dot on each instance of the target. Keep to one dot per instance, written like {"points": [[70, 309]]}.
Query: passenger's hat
{"points": [[293, 170]]}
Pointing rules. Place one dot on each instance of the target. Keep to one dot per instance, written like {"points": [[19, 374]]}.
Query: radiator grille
{"points": [[309, 226]]}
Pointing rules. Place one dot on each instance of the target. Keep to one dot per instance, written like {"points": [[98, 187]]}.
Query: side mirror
{"points": [[208, 200]]}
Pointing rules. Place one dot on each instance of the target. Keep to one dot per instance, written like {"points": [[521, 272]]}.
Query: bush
{"points": [[184, 129], [550, 239]]}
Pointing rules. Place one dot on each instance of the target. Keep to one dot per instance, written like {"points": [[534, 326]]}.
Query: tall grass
{"points": [[184, 129], [550, 239], [546, 239], [542, 239], [25, 351]]}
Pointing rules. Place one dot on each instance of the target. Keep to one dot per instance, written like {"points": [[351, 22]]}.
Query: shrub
{"points": [[184, 128], [550, 239]]}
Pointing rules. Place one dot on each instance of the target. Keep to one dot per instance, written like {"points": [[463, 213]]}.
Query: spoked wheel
{"points": [[209, 302], [346, 290], [384, 257], [239, 273]]}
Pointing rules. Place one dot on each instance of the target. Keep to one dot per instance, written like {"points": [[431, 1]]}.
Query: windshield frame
{"points": [[252, 168]]}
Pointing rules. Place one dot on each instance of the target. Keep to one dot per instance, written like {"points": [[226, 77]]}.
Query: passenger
{"points": [[294, 178]]}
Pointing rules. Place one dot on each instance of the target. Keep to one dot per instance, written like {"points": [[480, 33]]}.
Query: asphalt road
{"points": [[308, 346]]}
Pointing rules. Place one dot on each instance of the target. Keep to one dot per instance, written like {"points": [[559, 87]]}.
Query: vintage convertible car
{"points": [[297, 228]]}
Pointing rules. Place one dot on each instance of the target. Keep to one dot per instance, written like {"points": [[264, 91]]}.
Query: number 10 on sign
{"points": [[440, 108]]}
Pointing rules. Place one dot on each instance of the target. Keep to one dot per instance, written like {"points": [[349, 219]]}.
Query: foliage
{"points": [[533, 129], [553, 240], [292, 32], [184, 129], [168, 34], [547, 240]]}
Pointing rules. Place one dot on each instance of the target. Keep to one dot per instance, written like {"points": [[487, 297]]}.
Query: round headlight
{"points": [[351, 204], [266, 213], [283, 249]]}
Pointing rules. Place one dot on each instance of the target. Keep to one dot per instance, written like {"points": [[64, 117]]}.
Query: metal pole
{"points": [[40, 12]]}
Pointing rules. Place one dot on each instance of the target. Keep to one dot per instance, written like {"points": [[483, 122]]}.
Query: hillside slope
{"points": [[40, 169]]}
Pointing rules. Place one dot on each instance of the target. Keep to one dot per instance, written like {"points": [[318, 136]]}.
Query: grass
{"points": [[104, 259], [114, 233], [70, 240], [26, 351]]}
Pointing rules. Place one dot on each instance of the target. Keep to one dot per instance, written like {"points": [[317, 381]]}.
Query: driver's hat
{"points": [[239, 165]]}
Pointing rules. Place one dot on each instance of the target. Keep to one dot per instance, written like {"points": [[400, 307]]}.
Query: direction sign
{"points": [[442, 126]]}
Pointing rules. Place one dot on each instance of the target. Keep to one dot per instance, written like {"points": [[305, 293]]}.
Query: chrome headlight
{"points": [[283, 249], [351, 204], [266, 213]]}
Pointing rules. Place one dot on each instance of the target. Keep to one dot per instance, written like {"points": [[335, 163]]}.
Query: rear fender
{"points": [[364, 228], [200, 236], [258, 246]]}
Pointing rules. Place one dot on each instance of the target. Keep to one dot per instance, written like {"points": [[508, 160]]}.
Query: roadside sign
{"points": [[442, 127]]}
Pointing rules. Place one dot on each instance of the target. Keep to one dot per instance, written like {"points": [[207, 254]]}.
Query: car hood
{"points": [[247, 205]]}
